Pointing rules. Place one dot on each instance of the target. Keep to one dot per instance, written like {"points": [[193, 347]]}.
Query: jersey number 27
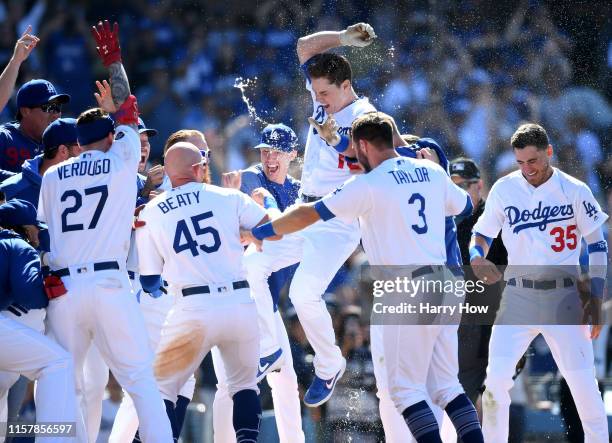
{"points": [[183, 232], [78, 202]]}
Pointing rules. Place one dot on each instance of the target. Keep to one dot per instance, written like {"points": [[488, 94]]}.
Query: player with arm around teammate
{"points": [[393, 208], [324, 247], [90, 229], [542, 213], [192, 236], [269, 184]]}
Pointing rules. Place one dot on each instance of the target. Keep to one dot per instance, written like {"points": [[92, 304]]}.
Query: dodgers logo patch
{"points": [[540, 217], [590, 209]]}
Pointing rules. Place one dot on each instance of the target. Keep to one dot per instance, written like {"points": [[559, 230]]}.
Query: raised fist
{"points": [[328, 130], [360, 35]]}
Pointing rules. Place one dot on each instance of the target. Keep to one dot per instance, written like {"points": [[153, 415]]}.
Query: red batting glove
{"points": [[107, 42], [127, 114]]}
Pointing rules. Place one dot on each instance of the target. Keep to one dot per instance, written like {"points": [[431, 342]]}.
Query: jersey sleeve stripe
{"points": [[323, 211]]}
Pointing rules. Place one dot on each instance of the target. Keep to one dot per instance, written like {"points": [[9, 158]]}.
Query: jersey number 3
{"points": [[564, 238], [182, 231], [418, 198], [78, 202]]}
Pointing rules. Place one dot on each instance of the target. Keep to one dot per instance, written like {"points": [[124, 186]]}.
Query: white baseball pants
{"points": [[394, 425], [570, 346], [28, 352], [321, 249], [198, 322], [100, 307], [154, 311], [34, 319], [285, 396]]}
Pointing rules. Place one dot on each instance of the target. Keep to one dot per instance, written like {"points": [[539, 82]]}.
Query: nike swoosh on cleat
{"points": [[264, 367]]}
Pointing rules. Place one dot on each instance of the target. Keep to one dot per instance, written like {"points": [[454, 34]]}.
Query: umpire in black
{"points": [[473, 334]]}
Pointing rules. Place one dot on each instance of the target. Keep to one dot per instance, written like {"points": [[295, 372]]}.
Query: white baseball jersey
{"points": [[540, 225], [88, 203], [191, 234], [401, 205], [324, 169]]}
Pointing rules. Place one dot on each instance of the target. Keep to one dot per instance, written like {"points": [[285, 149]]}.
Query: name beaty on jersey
{"points": [[179, 200]]}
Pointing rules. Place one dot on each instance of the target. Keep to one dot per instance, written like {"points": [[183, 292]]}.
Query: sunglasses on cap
{"points": [[51, 108]]}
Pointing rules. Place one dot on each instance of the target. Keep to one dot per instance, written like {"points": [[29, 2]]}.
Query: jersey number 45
{"points": [[183, 232]]}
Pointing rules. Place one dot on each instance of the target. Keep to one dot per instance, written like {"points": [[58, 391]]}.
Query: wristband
{"points": [[343, 144], [344, 39], [263, 231], [597, 287], [476, 251], [269, 202]]}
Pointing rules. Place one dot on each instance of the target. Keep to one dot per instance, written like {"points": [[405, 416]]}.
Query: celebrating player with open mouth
{"points": [[324, 247]]}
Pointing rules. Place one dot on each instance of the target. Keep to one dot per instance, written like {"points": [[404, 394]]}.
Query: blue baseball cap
{"points": [[142, 128], [280, 137], [62, 131], [17, 212], [39, 92]]}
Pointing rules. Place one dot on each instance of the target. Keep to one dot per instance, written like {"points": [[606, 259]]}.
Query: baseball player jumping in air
{"points": [[88, 204], [324, 247], [191, 236], [273, 188], [543, 214], [400, 201]]}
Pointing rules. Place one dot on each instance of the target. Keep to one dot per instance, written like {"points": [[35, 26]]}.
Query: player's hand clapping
{"points": [[359, 35], [328, 130]]}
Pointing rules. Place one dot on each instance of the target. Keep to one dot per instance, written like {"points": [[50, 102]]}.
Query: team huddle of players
{"points": [[149, 274]]}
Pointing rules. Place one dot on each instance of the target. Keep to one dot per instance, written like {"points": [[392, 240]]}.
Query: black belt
{"points": [[425, 270], [206, 289], [542, 284], [310, 198], [102, 266]]}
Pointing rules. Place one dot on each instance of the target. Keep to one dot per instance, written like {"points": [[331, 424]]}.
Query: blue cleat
{"points": [[270, 363], [321, 390]]}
